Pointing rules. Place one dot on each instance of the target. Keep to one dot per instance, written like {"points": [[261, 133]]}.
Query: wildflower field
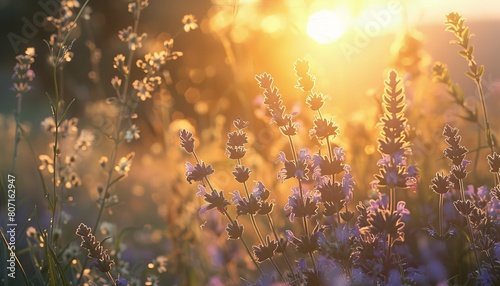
{"points": [[250, 142]]}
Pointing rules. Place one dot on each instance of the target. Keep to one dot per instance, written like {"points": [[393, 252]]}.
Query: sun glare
{"points": [[326, 26]]}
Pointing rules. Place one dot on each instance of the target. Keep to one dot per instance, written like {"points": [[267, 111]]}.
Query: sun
{"points": [[325, 26]]}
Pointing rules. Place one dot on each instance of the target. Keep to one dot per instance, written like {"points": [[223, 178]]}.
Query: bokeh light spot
{"points": [[192, 95], [271, 24], [326, 26]]}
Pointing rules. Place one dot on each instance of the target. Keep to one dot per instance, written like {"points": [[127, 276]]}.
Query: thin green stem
{"points": [[294, 154], [292, 147], [392, 200], [252, 218], [55, 114], [271, 225], [476, 156], [244, 243], [16, 136], [492, 262], [131, 53], [311, 256], [117, 139], [251, 256], [111, 278], [102, 204], [330, 153], [392, 208], [440, 211], [469, 228], [106, 189], [256, 228], [277, 269], [348, 271], [440, 218], [489, 138], [392, 191], [59, 53], [231, 221], [304, 219], [389, 247]]}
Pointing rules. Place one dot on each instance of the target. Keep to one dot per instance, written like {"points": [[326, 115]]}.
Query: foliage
{"points": [[224, 212]]}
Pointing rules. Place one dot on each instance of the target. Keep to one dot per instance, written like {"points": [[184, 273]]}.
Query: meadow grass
{"points": [[290, 210]]}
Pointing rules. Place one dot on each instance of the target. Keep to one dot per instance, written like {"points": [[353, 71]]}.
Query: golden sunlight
{"points": [[325, 26]]}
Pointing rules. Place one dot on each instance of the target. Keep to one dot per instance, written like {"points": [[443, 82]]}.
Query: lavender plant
{"points": [[53, 254], [336, 247], [324, 231], [363, 252], [455, 24], [476, 207], [103, 261], [23, 75], [128, 96]]}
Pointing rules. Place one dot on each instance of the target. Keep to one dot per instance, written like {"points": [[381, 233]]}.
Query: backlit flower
{"points": [[241, 173], [123, 166], [234, 230], [48, 124], [324, 128], [215, 200], [143, 89], [198, 172], [47, 163], [187, 140], [494, 162], [85, 140], [189, 22], [132, 133], [265, 251], [440, 184]]}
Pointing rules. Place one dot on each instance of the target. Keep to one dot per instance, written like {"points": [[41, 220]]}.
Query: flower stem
{"points": [[231, 221], [131, 52], [16, 136], [469, 228], [389, 247], [55, 112], [111, 278], [311, 256], [256, 228], [244, 243], [440, 218], [271, 225], [252, 218], [277, 269], [489, 138], [304, 219]]}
